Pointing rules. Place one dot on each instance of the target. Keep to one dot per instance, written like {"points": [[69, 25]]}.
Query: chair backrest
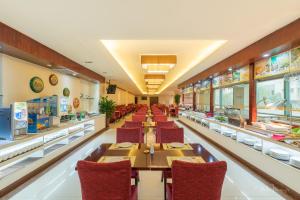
{"points": [[132, 124], [165, 124], [197, 181], [139, 118], [105, 181], [133, 135], [168, 135], [161, 124], [160, 118]]}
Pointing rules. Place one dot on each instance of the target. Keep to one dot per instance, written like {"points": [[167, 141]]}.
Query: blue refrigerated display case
{"points": [[5, 124]]}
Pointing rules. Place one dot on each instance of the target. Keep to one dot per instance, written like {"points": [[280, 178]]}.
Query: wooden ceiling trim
{"points": [[26, 48], [158, 59], [279, 41]]}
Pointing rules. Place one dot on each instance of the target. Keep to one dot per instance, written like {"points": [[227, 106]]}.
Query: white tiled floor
{"points": [[61, 182]]}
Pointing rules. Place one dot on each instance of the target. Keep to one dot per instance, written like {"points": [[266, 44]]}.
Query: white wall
{"points": [[16, 74], [166, 99], [121, 97], [147, 102]]}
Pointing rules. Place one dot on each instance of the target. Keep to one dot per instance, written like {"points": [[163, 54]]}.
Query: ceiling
{"points": [[189, 52], [77, 30]]}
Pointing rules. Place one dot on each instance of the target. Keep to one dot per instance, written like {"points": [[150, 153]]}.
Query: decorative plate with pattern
{"points": [[66, 92], [76, 102], [36, 84], [53, 80]]}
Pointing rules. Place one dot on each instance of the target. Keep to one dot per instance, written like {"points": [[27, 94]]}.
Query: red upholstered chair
{"points": [[174, 112], [168, 135], [134, 124], [133, 135], [196, 181], [160, 118], [139, 118], [106, 181], [165, 124]]}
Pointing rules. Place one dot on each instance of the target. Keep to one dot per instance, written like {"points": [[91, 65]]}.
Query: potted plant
{"points": [[177, 99], [108, 107]]}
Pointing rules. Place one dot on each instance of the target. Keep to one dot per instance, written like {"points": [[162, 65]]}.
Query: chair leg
{"points": [[165, 187]]}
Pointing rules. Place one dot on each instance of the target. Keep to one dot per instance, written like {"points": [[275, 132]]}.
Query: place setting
{"points": [[177, 146], [189, 159], [124, 146], [113, 159]]}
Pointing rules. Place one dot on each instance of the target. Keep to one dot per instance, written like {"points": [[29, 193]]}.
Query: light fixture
{"points": [[266, 55], [230, 69], [158, 61], [157, 71], [152, 86], [49, 65]]}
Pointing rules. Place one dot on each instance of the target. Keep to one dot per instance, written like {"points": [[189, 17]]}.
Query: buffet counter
{"points": [[276, 159], [27, 153]]}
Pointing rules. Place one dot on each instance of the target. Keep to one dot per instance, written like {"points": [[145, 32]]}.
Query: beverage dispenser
{"points": [[19, 118]]}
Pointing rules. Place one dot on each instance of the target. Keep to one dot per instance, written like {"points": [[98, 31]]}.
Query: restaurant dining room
{"points": [[149, 100]]}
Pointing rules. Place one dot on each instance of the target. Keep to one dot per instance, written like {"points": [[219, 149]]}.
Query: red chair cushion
{"points": [[197, 181], [106, 181]]}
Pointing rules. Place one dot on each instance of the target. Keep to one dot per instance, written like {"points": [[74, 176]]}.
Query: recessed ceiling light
{"points": [[210, 76], [230, 69], [49, 65], [266, 55], [158, 71]]}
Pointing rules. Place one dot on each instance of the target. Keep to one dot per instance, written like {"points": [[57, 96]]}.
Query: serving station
{"points": [[27, 153], [280, 160]]}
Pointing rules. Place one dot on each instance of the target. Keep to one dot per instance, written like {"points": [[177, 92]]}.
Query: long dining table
{"points": [[142, 160]]}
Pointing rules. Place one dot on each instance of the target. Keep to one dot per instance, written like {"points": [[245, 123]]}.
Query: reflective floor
{"points": [[61, 181]]}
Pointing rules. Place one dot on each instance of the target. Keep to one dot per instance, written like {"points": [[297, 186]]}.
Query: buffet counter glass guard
{"points": [[25, 153], [278, 159]]}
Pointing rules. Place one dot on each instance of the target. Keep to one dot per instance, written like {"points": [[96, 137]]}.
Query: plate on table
{"points": [[176, 145], [124, 145]]}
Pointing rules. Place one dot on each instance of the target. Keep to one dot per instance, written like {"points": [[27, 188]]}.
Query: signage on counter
{"points": [[279, 64], [20, 111], [237, 76], [276, 65]]}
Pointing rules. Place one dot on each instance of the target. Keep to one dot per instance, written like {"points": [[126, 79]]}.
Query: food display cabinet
{"points": [[260, 150]]}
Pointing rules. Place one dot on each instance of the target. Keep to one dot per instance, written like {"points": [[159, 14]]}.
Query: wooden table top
{"points": [[158, 161]]}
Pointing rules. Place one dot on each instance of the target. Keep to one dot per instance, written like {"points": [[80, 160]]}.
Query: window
{"points": [[227, 97], [295, 95], [217, 99], [270, 97], [204, 99], [241, 99]]}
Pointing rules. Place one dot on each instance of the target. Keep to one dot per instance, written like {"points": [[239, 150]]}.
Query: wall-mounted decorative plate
{"points": [[36, 84], [66, 92], [53, 80], [76, 102]]}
